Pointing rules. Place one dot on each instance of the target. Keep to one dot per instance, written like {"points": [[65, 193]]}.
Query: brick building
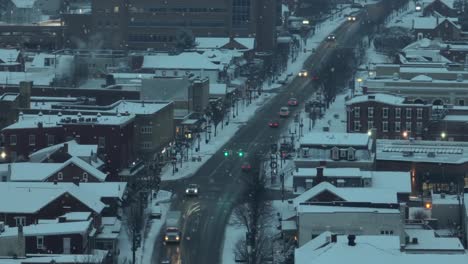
{"points": [[390, 116], [114, 135]]}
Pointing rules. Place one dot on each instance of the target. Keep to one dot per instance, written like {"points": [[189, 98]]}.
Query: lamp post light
{"points": [[443, 135], [405, 134]]}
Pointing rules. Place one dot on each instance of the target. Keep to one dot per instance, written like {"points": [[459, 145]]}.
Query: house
{"points": [[56, 238], [183, 64], [373, 210], [112, 194], [108, 238], [306, 178], [435, 27], [72, 170], [11, 60], [32, 204], [385, 249], [114, 135], [434, 165], [335, 150], [442, 8], [390, 115], [64, 151]]}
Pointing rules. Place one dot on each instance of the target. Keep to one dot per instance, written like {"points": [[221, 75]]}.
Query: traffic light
{"points": [[241, 153], [226, 153]]}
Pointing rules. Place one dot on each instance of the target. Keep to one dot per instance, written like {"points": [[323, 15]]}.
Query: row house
{"points": [[435, 27], [113, 134], [390, 116]]}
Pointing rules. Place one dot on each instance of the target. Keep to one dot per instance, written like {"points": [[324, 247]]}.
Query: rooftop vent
{"points": [[371, 97], [408, 153], [396, 76], [40, 114], [59, 114], [79, 114], [98, 115], [352, 240], [459, 77], [431, 154]]}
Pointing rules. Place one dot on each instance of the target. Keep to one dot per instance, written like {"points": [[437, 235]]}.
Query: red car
{"points": [[246, 167], [293, 102], [273, 124]]}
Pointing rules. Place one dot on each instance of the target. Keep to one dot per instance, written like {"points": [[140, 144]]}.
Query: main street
{"points": [[220, 179]]}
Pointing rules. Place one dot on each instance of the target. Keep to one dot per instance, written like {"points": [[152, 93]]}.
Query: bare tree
{"points": [[420, 215], [134, 225], [255, 214]]}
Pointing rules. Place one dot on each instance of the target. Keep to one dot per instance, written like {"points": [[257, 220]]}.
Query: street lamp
{"points": [[369, 132], [405, 134], [443, 135], [418, 7]]}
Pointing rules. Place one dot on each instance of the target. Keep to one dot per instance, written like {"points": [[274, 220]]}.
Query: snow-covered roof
{"points": [[24, 3], [185, 60], [74, 149], [343, 209], [77, 216], [350, 194], [399, 181], [34, 171], [10, 97], [8, 55], [421, 78], [448, 152], [219, 88], [31, 197], [336, 139], [32, 121], [432, 22], [378, 97], [369, 250], [330, 172], [97, 256], [138, 107], [427, 240], [111, 227], [78, 227], [38, 78], [217, 43], [447, 199]]}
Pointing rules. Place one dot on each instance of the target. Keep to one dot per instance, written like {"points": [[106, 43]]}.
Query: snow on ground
{"points": [[406, 18], [150, 232], [232, 234]]}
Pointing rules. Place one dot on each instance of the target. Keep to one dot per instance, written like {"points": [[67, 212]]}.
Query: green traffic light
{"points": [[241, 154], [226, 153]]}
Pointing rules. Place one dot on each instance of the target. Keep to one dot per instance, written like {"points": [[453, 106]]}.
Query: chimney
{"points": [[9, 171], [352, 240], [334, 238], [65, 148], [319, 176], [403, 209], [412, 24], [374, 139], [437, 21]]}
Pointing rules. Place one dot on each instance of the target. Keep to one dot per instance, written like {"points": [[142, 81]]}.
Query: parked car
{"points": [[284, 111], [293, 102], [192, 190], [273, 124], [156, 211]]}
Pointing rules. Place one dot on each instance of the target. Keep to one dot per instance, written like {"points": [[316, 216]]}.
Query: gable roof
{"points": [[8, 55], [30, 199], [432, 22], [74, 149], [349, 194], [218, 43], [78, 227]]}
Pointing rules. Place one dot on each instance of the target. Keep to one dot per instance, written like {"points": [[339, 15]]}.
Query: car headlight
{"points": [[196, 191], [187, 191], [177, 238], [166, 238]]}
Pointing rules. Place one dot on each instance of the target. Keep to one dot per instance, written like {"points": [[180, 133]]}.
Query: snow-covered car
{"points": [[303, 73], [284, 111], [156, 211], [192, 189]]}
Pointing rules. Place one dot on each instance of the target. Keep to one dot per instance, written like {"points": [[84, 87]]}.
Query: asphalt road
{"points": [[220, 179]]}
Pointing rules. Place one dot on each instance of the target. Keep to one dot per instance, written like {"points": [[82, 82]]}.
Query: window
{"points": [[40, 242], [4, 178], [146, 130], [101, 142], [370, 125], [85, 176], [357, 112], [342, 153], [419, 113], [146, 145], [335, 153], [461, 102], [385, 112], [50, 140], [351, 155], [13, 140], [60, 176], [408, 113], [20, 220], [32, 140], [357, 126], [397, 126], [240, 13], [397, 113], [408, 126], [176, 73], [385, 126], [370, 112], [116, 9]]}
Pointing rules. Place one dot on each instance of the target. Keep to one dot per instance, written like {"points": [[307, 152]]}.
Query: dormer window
{"points": [[335, 153], [60, 176], [351, 154], [85, 176], [342, 153]]}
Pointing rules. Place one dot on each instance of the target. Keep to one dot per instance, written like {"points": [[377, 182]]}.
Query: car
{"points": [[246, 167], [356, 5], [303, 73], [166, 261], [192, 189], [331, 37], [273, 124], [284, 111], [293, 102], [156, 211], [351, 18]]}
